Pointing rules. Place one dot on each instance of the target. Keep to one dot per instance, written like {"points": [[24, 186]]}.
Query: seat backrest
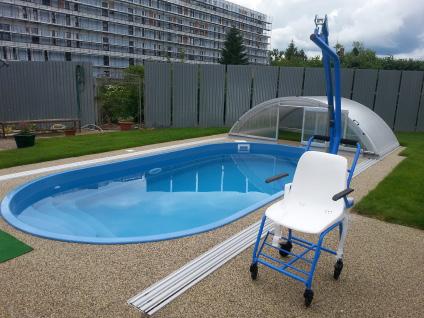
{"points": [[318, 177]]}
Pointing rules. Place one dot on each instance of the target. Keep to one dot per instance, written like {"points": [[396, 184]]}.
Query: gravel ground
{"points": [[382, 276]]}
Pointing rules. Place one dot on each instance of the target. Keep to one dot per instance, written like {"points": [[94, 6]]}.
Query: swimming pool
{"points": [[150, 198]]}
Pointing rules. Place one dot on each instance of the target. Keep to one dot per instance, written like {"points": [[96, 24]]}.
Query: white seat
{"points": [[307, 205]]}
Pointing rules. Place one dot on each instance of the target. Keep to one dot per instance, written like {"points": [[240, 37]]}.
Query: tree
{"points": [[358, 57], [121, 98], [234, 51], [292, 52], [340, 50], [181, 54], [275, 54], [292, 56]]}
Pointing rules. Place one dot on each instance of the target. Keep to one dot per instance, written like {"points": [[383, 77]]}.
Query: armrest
{"points": [[277, 177], [342, 194]]}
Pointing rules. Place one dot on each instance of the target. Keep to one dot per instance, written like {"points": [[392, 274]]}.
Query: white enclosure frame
{"points": [[364, 125]]}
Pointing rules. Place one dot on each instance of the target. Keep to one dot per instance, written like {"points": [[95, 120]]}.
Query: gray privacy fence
{"points": [[188, 95], [47, 90]]}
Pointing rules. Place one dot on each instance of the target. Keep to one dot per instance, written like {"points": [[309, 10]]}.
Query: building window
{"points": [[130, 30], [105, 13], [131, 49], [24, 13], [35, 39], [54, 40], [76, 22], [46, 56], [68, 56], [131, 61], [68, 19], [5, 36], [130, 18], [76, 7], [53, 17], [105, 26], [29, 54], [68, 43], [106, 60], [35, 14], [14, 53], [105, 43], [104, 4], [4, 52], [67, 5], [46, 2]]}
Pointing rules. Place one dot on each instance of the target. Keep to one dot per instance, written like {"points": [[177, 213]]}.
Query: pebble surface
{"points": [[382, 277]]}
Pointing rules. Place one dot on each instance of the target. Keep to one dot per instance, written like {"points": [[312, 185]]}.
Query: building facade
{"points": [[113, 34]]}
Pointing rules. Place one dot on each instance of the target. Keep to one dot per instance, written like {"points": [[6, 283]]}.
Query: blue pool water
{"points": [[152, 198]]}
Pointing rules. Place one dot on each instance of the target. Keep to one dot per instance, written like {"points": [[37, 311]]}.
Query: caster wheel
{"points": [[338, 269], [309, 295], [254, 271], [287, 246]]}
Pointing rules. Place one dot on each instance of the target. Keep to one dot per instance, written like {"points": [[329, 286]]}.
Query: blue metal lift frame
{"points": [[320, 38]]}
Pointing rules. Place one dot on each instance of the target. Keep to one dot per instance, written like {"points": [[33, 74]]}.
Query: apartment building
{"points": [[113, 34]]}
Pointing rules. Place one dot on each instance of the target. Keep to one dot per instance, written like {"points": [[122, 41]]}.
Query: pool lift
{"points": [[312, 202]]}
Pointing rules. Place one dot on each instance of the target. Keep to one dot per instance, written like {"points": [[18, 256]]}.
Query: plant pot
{"points": [[125, 125], [24, 140], [70, 132]]}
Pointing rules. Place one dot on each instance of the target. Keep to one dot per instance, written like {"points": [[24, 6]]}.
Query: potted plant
{"points": [[70, 132], [26, 137], [126, 123]]}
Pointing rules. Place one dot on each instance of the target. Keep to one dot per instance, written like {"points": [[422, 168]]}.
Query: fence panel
{"points": [[346, 75], [239, 81], [386, 95], [184, 95], [409, 99], [265, 80], [211, 108], [360, 85], [364, 87], [157, 94], [46, 90], [291, 81], [314, 84], [420, 118]]}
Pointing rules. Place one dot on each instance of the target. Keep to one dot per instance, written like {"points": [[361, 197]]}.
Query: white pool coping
{"points": [[129, 153]]}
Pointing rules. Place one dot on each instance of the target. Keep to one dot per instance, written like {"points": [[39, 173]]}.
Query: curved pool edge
{"points": [[12, 220]]}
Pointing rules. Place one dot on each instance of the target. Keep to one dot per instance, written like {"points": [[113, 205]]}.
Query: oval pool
{"points": [[150, 198]]}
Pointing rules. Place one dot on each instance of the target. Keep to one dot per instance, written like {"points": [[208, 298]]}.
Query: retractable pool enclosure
{"points": [[306, 116]]}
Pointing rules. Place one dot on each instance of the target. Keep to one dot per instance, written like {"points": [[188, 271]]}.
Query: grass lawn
{"points": [[399, 198], [64, 147], [289, 135], [11, 247]]}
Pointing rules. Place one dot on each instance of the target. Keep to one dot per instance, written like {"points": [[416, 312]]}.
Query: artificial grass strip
{"points": [[11, 247], [399, 198]]}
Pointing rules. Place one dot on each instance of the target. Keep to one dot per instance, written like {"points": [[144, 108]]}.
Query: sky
{"points": [[389, 27]]}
